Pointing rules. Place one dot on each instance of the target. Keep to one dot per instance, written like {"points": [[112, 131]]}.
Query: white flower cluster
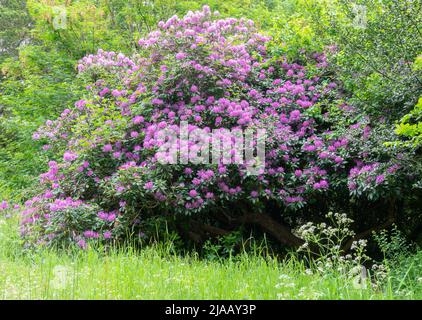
{"points": [[326, 240]]}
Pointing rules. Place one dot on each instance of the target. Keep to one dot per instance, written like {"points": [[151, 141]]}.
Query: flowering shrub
{"points": [[214, 75]]}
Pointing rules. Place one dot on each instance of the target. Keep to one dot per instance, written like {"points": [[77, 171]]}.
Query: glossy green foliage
{"points": [[411, 125]]}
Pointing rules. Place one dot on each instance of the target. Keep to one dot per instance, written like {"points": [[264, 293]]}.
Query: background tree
{"points": [[15, 26]]}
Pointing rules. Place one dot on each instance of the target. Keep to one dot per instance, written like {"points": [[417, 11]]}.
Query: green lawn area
{"points": [[156, 273]]}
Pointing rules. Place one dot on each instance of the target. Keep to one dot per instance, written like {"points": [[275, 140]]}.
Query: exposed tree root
{"points": [[208, 229], [274, 228], [199, 232]]}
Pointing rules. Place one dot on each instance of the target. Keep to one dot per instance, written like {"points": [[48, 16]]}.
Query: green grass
{"points": [[155, 273]]}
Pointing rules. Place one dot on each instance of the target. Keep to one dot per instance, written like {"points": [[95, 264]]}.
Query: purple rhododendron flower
{"points": [[380, 179], [69, 156], [107, 148], [4, 205], [82, 244], [149, 185]]}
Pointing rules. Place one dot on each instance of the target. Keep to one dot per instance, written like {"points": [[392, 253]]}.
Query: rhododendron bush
{"points": [[212, 74]]}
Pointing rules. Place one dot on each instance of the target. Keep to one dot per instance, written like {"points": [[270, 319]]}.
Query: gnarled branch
{"points": [[277, 230]]}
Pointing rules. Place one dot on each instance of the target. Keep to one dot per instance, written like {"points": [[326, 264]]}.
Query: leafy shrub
{"points": [[36, 86], [216, 75], [401, 260], [378, 42], [409, 131], [410, 126], [393, 244]]}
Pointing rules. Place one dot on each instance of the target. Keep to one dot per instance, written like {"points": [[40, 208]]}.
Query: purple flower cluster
{"points": [[105, 59], [372, 176], [45, 219], [110, 217]]}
